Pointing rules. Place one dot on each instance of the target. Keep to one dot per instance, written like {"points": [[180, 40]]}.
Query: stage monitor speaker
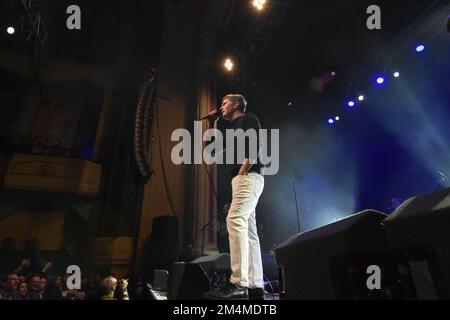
{"points": [[160, 280], [217, 268], [418, 232], [219, 263], [187, 281], [420, 221], [331, 262]]}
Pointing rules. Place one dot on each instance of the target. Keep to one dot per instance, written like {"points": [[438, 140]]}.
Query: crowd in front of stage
{"points": [[24, 279]]}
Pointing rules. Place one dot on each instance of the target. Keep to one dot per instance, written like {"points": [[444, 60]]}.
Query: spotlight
{"points": [[333, 73], [361, 98], [380, 80], [397, 74], [229, 65], [420, 48], [259, 4], [330, 121], [351, 103], [337, 118], [10, 30]]}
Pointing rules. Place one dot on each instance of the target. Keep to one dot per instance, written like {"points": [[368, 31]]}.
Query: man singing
{"points": [[247, 186]]}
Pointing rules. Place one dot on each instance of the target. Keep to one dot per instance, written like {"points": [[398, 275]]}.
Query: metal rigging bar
{"points": [[31, 21], [260, 36]]}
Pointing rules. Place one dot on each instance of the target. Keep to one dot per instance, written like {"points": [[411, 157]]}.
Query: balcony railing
{"points": [[52, 174]]}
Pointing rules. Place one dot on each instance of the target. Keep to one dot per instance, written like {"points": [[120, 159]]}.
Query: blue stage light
{"points": [[380, 80], [420, 48]]}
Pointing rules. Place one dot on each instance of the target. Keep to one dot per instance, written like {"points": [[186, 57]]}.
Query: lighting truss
{"points": [[31, 21], [259, 37]]}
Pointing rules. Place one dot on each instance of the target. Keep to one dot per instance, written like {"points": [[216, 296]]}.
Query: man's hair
{"points": [[108, 285], [240, 99]]}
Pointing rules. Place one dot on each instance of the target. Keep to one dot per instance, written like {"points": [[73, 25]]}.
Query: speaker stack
{"points": [[331, 262], [418, 235], [160, 251], [411, 249]]}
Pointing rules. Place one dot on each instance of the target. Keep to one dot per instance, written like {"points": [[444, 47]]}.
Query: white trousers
{"points": [[245, 250]]}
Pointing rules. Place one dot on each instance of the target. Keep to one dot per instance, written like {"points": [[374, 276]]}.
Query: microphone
{"points": [[216, 114]]}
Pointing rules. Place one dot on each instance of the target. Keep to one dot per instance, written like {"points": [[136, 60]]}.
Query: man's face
{"points": [[36, 283], [43, 284], [13, 280], [23, 288], [228, 108]]}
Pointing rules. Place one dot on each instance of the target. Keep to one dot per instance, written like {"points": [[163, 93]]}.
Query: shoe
{"points": [[256, 294], [230, 292]]}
